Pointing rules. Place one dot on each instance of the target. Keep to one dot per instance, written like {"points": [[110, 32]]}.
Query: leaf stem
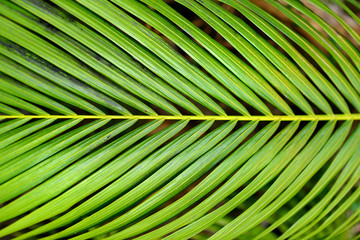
{"points": [[339, 117]]}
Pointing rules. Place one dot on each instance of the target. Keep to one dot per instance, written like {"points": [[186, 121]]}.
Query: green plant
{"points": [[112, 129]]}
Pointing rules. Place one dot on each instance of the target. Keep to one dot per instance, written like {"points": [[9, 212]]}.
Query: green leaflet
{"points": [[92, 59]]}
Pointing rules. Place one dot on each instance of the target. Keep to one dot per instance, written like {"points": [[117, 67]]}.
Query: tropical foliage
{"points": [[186, 119]]}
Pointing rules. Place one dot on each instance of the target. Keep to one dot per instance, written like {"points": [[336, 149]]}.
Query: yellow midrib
{"points": [[340, 117]]}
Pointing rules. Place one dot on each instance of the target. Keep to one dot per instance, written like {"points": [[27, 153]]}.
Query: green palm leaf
{"points": [[186, 119]]}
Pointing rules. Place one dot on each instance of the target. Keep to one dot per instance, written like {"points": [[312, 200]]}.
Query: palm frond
{"points": [[186, 119]]}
